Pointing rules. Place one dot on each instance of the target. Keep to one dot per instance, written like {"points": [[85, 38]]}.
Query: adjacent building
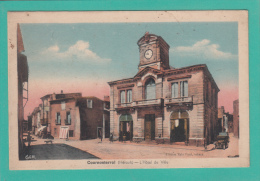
{"points": [[236, 117], [36, 114], [94, 117], [22, 72], [163, 103], [71, 116], [64, 119], [225, 121]]}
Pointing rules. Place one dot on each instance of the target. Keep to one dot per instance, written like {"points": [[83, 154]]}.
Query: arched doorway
{"points": [[179, 126], [125, 127]]}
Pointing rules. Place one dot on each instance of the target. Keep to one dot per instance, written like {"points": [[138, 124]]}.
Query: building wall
{"points": [[22, 72], [70, 105], [202, 115], [91, 118], [201, 103], [20, 111]]}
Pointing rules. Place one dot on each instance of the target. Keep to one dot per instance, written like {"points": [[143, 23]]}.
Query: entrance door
{"points": [[126, 127], [126, 130], [179, 130], [149, 132]]}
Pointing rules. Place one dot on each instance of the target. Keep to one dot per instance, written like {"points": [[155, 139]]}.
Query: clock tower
{"points": [[154, 52]]}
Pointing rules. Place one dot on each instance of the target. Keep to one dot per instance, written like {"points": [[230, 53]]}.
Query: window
{"points": [[58, 118], [129, 95], [150, 89], [68, 118], [175, 90], [63, 105], [89, 103], [70, 133], [122, 96], [184, 88]]}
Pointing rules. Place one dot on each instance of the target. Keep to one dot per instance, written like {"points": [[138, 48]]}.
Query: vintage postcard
{"points": [[128, 89]]}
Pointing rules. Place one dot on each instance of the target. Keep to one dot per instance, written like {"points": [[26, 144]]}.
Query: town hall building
{"points": [[164, 104]]}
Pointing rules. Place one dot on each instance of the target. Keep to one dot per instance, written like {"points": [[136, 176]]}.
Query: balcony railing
{"points": [[178, 100], [141, 103], [124, 105], [148, 102]]}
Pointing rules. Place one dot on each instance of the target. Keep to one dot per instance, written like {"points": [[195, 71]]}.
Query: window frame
{"points": [[127, 98], [67, 120], [56, 119], [181, 91], [172, 83], [89, 105], [182, 88], [145, 89], [125, 95]]}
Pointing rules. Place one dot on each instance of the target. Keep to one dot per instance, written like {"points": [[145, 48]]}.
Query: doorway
{"points": [[126, 128], [179, 127], [149, 127]]}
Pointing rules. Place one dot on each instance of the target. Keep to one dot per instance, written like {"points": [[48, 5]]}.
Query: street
{"points": [[91, 149]]}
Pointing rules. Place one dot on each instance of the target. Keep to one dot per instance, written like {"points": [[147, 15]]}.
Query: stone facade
{"points": [[162, 103]]}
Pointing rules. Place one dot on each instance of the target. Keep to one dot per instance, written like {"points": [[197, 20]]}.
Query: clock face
{"points": [[148, 54]]}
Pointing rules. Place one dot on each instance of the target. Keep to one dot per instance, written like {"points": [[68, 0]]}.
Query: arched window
{"points": [[150, 89]]}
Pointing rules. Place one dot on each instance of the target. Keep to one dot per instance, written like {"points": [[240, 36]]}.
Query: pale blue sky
{"points": [[116, 53]]}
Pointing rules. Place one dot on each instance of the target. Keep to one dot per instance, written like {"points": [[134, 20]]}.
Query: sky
{"points": [[83, 57]]}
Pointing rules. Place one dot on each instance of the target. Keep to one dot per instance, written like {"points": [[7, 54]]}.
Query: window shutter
{"points": [[185, 88], [174, 89], [122, 93], [129, 95]]}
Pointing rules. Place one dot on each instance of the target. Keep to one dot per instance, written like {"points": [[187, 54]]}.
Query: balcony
{"points": [[44, 121], [127, 105], [141, 103], [150, 102], [179, 101]]}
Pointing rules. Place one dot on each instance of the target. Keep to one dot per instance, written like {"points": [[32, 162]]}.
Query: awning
{"points": [[126, 117], [41, 128]]}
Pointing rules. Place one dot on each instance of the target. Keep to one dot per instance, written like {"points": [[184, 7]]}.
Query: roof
{"points": [[47, 95], [65, 94], [63, 99], [106, 98], [20, 46], [89, 97], [151, 37], [168, 72]]}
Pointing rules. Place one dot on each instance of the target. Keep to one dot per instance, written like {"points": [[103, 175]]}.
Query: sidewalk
{"points": [[143, 150]]}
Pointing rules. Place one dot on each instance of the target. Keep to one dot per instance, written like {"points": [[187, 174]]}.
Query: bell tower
{"points": [[154, 52]]}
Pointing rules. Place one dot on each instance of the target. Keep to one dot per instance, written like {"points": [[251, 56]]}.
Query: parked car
{"points": [[222, 140]]}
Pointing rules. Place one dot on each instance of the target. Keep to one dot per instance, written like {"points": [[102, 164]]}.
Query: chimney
{"points": [[61, 91], [53, 96]]}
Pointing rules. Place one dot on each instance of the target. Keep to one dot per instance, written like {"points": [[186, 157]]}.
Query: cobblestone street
{"points": [[86, 149]]}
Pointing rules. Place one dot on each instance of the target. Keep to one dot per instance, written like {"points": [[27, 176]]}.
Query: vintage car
{"points": [[222, 140]]}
